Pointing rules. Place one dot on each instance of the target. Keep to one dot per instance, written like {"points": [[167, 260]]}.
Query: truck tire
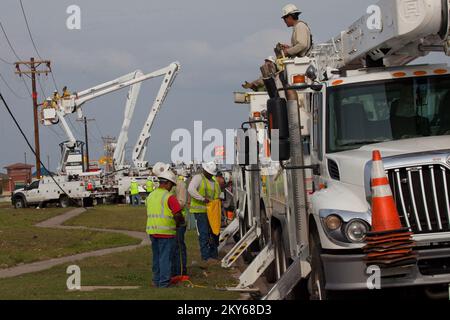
{"points": [[317, 281], [19, 203], [64, 202]]}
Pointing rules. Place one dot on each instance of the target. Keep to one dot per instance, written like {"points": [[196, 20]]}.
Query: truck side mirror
{"points": [[278, 120]]}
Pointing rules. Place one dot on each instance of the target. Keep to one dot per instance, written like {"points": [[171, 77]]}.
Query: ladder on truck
{"points": [[229, 232]]}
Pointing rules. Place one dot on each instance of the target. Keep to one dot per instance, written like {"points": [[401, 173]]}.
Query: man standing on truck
{"points": [[163, 218], [203, 189], [301, 41]]}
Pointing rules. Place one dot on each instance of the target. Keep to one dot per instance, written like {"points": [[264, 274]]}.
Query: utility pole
{"points": [[32, 70], [86, 139]]}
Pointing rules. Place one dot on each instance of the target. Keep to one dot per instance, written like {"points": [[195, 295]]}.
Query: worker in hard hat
{"points": [[203, 189], [163, 217], [66, 92], [179, 266], [149, 185], [301, 41], [134, 192], [258, 84]]}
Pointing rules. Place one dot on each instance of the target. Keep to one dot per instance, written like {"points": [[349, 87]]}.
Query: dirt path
{"points": [[56, 222]]}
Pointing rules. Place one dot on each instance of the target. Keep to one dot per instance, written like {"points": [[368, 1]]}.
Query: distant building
{"points": [[19, 175], [4, 184]]}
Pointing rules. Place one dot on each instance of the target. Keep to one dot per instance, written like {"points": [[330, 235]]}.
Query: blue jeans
{"points": [[209, 242], [179, 255], [135, 200], [162, 260]]}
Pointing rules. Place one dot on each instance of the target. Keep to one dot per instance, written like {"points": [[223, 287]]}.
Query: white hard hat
{"points": [[150, 178], [290, 9], [210, 167], [168, 175], [271, 59], [227, 177], [133, 180], [159, 168]]}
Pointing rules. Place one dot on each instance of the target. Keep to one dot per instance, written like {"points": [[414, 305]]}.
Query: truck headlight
{"points": [[356, 230], [333, 222]]}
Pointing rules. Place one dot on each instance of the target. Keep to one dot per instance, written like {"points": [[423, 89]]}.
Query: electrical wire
{"points": [[29, 30], [11, 89], [32, 149], [9, 42]]}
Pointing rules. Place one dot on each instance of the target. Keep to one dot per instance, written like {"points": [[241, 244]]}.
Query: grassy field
{"points": [[131, 268], [21, 242], [120, 217]]}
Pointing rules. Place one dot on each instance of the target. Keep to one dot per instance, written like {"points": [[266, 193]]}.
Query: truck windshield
{"points": [[365, 113]]}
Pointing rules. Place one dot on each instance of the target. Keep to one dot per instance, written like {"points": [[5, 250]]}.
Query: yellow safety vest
{"points": [[134, 188], [149, 186], [159, 216], [205, 191]]}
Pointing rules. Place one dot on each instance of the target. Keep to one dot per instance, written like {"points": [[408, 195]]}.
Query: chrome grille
{"points": [[422, 197]]}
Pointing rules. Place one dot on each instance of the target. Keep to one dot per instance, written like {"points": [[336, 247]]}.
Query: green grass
{"points": [[21, 242], [131, 268], [120, 217]]}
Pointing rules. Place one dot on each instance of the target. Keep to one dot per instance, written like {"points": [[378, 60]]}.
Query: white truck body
{"points": [[47, 191]]}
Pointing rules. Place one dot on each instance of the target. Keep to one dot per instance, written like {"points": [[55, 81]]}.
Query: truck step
{"points": [[229, 231], [239, 248], [256, 268]]}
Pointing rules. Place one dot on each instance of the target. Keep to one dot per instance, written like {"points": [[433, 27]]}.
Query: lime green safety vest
{"points": [[159, 216], [134, 188], [149, 186], [205, 191]]}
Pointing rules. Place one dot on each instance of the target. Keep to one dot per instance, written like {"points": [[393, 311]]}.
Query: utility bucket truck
{"points": [[351, 96], [71, 164]]}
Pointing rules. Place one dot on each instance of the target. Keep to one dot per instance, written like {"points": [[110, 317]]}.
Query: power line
{"points": [[29, 31], [10, 89], [9, 42], [5, 61]]}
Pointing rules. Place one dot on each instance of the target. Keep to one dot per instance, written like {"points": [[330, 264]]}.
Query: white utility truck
{"points": [[350, 96], [39, 193], [119, 181]]}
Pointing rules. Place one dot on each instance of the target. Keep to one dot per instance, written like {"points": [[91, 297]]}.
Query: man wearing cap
{"points": [[203, 189], [301, 41], [163, 217], [258, 84]]}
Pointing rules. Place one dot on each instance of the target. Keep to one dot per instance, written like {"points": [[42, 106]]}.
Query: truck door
{"points": [[34, 193]]}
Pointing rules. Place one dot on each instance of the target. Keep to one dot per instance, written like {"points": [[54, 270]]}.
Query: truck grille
{"points": [[422, 197]]}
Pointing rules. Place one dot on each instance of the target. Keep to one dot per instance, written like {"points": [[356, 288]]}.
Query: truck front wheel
{"points": [[19, 203]]}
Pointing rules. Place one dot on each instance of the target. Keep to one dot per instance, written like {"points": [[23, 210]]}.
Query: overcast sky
{"points": [[218, 43]]}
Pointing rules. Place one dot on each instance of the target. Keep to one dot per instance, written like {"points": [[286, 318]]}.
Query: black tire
{"points": [[19, 203], [317, 281], [64, 202]]}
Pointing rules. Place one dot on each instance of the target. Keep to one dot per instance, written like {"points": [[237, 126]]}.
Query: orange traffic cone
{"points": [[388, 244], [384, 211]]}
